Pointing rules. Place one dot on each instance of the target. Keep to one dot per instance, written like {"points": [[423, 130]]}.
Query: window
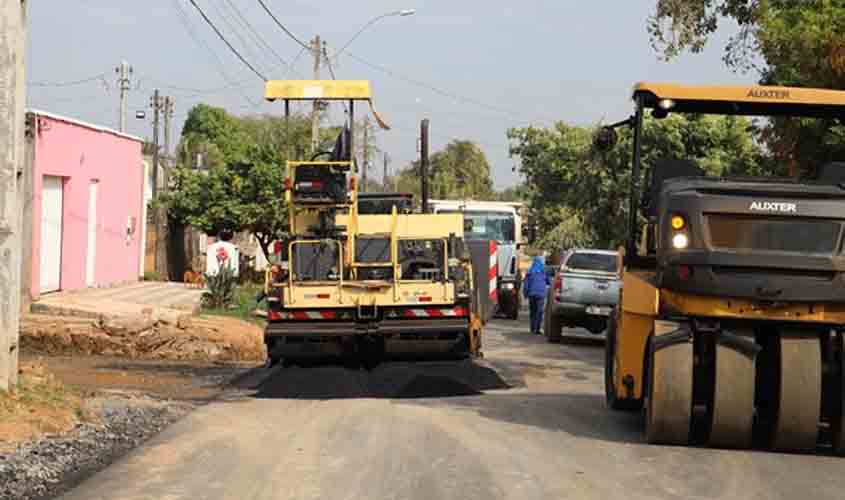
{"points": [[586, 261]]}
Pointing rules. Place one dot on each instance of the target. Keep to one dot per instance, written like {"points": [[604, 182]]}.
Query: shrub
{"points": [[220, 288]]}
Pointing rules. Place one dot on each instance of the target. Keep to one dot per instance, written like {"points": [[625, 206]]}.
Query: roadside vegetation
{"points": [[40, 405]]}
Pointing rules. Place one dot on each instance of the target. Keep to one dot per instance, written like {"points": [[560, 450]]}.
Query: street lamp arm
{"points": [[404, 12]]}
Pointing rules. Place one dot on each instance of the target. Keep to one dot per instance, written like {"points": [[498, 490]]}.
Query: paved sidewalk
{"points": [[168, 301]]}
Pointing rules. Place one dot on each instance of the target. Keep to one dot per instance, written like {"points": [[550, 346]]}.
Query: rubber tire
{"points": [[514, 313], [552, 326], [596, 327], [613, 402]]}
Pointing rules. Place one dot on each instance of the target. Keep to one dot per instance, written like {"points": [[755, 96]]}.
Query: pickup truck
{"points": [[585, 291]]}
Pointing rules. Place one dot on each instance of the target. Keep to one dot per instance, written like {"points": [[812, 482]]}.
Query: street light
{"points": [[397, 13]]}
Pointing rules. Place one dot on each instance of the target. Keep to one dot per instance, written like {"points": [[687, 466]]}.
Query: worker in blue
{"points": [[534, 289]]}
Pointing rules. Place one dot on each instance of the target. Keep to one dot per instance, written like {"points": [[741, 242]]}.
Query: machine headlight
{"points": [[507, 286], [680, 241], [678, 222]]}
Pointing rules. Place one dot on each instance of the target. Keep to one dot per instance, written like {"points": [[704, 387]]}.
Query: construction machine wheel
{"points": [[513, 314], [670, 373], [800, 392], [614, 402], [837, 424], [552, 327], [733, 391]]}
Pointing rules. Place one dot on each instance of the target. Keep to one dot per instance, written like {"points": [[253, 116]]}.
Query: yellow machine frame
{"points": [[348, 293], [641, 303]]}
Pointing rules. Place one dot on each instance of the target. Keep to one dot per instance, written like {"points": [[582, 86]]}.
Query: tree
{"points": [[565, 177], [242, 188], [512, 193], [460, 170], [787, 42]]}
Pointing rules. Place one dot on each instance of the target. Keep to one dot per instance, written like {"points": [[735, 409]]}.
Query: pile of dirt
{"points": [[213, 338]]}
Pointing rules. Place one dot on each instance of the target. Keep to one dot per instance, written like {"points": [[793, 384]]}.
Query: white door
{"points": [[91, 255], [51, 234]]}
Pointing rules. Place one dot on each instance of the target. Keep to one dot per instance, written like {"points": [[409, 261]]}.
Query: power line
{"points": [[188, 92], [248, 51], [296, 59], [223, 38], [185, 20], [282, 26], [410, 130], [331, 72], [101, 77], [256, 35], [428, 86]]}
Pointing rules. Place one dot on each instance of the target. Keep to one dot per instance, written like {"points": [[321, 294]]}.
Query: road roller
{"points": [[730, 329]]}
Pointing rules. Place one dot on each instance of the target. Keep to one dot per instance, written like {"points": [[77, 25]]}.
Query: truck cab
{"points": [[500, 222]]}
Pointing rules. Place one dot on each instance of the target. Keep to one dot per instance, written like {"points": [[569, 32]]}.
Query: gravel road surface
{"points": [[527, 422]]}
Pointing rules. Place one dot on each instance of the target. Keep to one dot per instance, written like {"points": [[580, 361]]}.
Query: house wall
{"points": [[80, 154]]}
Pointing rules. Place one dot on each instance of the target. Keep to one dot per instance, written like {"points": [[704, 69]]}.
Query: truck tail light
{"points": [[309, 185]]}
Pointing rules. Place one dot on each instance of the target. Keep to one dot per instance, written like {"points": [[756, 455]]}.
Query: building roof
{"points": [[80, 123]]}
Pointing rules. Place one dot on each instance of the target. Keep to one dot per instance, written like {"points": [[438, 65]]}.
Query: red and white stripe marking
{"points": [[307, 315], [493, 271], [436, 312]]}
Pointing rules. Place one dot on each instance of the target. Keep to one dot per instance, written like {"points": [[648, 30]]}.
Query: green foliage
{"points": [[460, 170], [242, 185], [798, 43], [220, 288], [514, 193], [567, 180], [243, 303], [569, 233]]}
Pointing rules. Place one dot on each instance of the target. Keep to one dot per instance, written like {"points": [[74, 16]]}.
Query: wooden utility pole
{"points": [[156, 104], [384, 175], [168, 122], [160, 213], [12, 123], [317, 50], [424, 164]]}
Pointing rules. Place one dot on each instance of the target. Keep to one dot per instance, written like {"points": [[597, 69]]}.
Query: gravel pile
{"points": [[54, 465]]}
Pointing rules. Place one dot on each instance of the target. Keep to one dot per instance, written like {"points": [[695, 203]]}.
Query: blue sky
{"points": [[528, 62]]}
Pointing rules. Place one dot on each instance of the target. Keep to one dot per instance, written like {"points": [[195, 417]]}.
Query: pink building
{"points": [[84, 208]]}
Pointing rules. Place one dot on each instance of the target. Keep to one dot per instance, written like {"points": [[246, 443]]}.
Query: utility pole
{"points": [[424, 163], [365, 153], [168, 121], [124, 83], [157, 104], [160, 213], [12, 122], [317, 49], [384, 176]]}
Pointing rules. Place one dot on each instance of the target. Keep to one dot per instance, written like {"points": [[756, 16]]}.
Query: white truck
{"points": [[501, 222]]}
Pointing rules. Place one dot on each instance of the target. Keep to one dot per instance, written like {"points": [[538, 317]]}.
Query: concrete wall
{"points": [[81, 153]]}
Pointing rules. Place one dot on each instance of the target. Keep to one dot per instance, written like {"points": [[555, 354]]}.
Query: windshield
{"points": [[499, 226], [585, 261]]}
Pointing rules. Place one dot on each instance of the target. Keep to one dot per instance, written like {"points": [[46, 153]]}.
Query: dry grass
{"points": [[40, 406]]}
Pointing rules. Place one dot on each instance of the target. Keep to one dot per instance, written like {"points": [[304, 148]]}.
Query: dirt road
{"points": [[427, 432]]}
